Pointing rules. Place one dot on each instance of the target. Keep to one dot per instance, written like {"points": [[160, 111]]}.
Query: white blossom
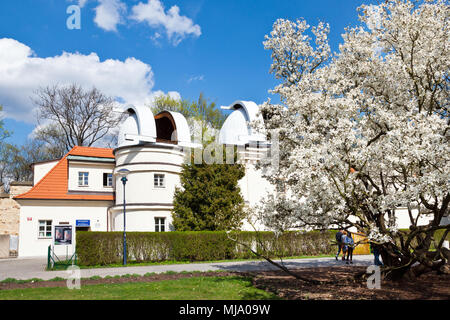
{"points": [[365, 130]]}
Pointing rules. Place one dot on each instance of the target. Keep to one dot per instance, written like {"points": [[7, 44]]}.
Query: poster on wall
{"points": [[63, 235]]}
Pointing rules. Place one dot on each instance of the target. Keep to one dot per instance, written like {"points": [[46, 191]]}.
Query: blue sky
{"points": [[208, 46]]}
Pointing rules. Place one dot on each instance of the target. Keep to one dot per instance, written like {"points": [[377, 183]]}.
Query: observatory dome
{"points": [[236, 129], [141, 126]]}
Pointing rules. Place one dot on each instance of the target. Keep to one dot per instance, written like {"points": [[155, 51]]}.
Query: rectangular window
{"points": [[160, 224], [83, 179], [107, 179], [159, 181], [45, 228]]}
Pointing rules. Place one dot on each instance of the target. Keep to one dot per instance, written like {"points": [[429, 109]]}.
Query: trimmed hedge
{"points": [[438, 234], [103, 248]]}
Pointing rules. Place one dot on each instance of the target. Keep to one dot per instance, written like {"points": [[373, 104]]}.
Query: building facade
{"points": [[84, 190]]}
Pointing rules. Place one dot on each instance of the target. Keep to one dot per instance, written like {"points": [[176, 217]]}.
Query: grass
{"points": [[135, 275], [12, 280], [198, 288], [142, 264]]}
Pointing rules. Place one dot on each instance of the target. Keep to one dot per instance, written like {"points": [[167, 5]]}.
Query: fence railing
{"points": [[55, 262]]}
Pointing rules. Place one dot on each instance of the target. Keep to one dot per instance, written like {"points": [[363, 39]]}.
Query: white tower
{"points": [[153, 149], [252, 145]]}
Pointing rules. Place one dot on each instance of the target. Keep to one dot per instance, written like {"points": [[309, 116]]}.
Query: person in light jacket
{"points": [[344, 245], [350, 246]]}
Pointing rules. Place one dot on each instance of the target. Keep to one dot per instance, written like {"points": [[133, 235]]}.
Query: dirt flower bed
{"points": [[343, 287]]}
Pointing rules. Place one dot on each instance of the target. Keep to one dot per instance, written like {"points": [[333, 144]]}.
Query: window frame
{"points": [[83, 178], [46, 230], [157, 181], [109, 178], [160, 222]]}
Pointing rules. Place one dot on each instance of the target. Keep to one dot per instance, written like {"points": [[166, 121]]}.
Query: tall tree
{"points": [[368, 131], [51, 138], [5, 158], [203, 117], [209, 198], [3, 132], [16, 161], [78, 117]]}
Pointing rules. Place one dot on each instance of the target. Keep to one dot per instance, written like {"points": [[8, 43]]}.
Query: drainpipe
{"points": [[108, 214]]}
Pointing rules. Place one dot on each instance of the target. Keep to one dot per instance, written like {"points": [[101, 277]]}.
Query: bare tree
{"points": [[52, 138], [82, 118]]}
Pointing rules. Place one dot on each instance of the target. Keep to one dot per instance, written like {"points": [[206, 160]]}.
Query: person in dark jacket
{"points": [[339, 242], [376, 254]]}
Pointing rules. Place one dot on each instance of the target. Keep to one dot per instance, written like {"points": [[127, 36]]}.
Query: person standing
{"points": [[376, 254], [339, 242], [344, 244], [349, 242]]}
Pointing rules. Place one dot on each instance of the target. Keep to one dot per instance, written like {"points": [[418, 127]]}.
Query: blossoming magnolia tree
{"points": [[365, 131]]}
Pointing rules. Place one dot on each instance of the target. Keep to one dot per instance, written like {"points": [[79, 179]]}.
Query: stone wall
{"points": [[10, 209], [17, 188]]}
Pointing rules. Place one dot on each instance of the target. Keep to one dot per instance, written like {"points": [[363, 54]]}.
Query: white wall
{"points": [[141, 219], [403, 220], [30, 245], [145, 154], [95, 170], [143, 164], [254, 187], [144, 200], [41, 169]]}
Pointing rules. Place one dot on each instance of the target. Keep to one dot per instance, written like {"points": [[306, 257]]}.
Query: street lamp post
{"points": [[123, 173]]}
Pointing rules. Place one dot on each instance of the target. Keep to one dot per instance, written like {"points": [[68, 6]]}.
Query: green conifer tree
{"points": [[209, 198]]}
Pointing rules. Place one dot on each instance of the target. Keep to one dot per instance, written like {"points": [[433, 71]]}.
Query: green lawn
{"points": [[197, 288]]}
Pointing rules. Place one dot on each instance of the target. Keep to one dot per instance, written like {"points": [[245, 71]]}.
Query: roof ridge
{"points": [[85, 147], [92, 152]]}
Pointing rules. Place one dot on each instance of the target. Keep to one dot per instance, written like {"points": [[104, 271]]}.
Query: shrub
{"points": [[103, 248]]}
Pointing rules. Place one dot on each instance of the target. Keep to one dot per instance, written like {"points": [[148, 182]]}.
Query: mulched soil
{"points": [[340, 284]]}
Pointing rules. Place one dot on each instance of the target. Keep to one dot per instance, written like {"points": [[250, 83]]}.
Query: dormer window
{"points": [[83, 179]]}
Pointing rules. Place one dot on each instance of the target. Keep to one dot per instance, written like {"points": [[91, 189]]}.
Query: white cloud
{"points": [[22, 73], [177, 27], [174, 95], [108, 14], [196, 78], [81, 3]]}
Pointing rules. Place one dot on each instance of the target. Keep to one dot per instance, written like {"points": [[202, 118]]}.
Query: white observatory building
{"points": [[153, 149], [83, 189]]}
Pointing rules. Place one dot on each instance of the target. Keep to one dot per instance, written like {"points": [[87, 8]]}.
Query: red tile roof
{"points": [[54, 185], [92, 152]]}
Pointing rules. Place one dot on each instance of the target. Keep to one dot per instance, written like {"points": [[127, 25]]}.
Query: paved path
{"points": [[28, 268]]}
